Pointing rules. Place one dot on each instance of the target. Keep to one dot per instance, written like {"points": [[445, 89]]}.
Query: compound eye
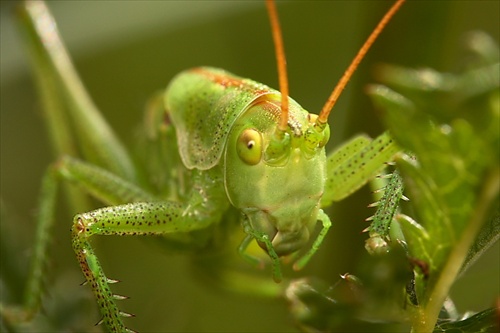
{"points": [[249, 146]]}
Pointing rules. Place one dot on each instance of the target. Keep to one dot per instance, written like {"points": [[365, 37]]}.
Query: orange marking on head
{"points": [[223, 80]]}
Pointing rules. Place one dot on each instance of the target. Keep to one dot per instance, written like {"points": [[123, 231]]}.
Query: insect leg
{"points": [[64, 96], [101, 184], [327, 223], [34, 290], [382, 222], [355, 163], [263, 238], [138, 218]]}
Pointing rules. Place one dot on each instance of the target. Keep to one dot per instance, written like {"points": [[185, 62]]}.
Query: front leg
{"points": [[326, 224], [264, 238], [140, 218], [200, 208]]}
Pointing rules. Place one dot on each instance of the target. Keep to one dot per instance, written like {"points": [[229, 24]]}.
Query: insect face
{"points": [[283, 177]]}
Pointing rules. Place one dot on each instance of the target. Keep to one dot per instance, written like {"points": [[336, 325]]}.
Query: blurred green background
{"points": [[126, 50]]}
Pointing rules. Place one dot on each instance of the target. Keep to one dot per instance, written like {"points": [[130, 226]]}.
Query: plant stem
{"points": [[426, 318]]}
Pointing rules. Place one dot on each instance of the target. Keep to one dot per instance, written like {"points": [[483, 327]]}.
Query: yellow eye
{"points": [[249, 146]]}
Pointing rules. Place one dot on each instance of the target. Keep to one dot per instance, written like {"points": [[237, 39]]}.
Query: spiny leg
{"points": [[365, 158], [64, 98], [384, 230], [101, 184], [130, 219], [110, 189], [201, 209], [141, 218]]}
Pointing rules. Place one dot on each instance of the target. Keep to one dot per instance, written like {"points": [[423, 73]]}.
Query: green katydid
{"points": [[239, 144]]}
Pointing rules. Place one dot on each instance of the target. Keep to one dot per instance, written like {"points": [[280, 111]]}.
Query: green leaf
{"points": [[484, 321], [453, 130], [489, 235]]}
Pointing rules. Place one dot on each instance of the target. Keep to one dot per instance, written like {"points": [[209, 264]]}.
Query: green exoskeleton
{"points": [[226, 128], [241, 145]]}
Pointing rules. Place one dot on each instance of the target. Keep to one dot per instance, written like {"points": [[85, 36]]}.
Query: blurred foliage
{"points": [[450, 122]]}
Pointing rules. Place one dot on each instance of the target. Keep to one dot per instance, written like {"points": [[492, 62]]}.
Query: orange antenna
{"points": [[330, 103], [281, 62]]}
